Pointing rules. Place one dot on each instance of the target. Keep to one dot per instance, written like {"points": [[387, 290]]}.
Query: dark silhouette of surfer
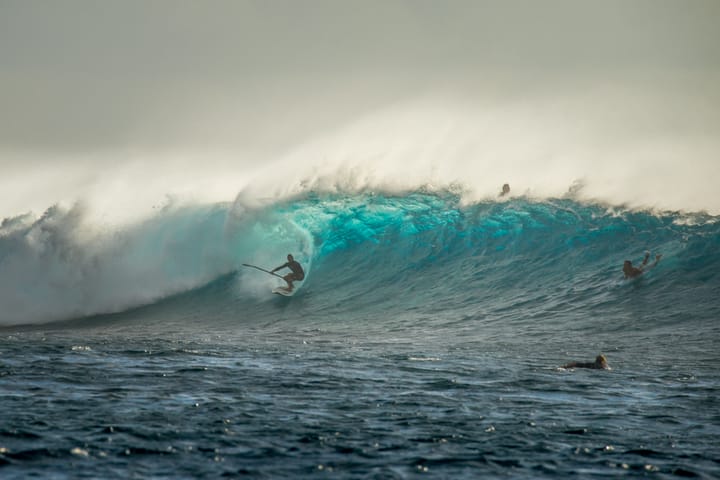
{"points": [[600, 363], [296, 275], [505, 190], [633, 272]]}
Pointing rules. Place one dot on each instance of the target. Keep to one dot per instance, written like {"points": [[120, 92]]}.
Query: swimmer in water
{"points": [[600, 363], [633, 272]]}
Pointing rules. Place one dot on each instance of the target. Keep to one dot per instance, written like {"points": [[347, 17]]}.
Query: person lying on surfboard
{"points": [[632, 272], [600, 363], [297, 274]]}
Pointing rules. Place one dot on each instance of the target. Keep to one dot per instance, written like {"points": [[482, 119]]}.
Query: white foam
{"points": [[631, 146], [534, 148], [60, 265]]}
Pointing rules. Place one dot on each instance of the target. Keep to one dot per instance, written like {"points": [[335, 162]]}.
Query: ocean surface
{"points": [[426, 342]]}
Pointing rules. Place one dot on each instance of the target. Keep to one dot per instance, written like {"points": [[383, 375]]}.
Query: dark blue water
{"points": [[425, 341]]}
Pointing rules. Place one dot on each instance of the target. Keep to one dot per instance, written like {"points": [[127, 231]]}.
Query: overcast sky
{"points": [[78, 75]]}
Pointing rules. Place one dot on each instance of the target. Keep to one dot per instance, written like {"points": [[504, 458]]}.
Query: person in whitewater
{"points": [[505, 190], [600, 363], [296, 274], [633, 272]]}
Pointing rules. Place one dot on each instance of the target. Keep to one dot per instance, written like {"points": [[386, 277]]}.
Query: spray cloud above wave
{"points": [[542, 147], [281, 97]]}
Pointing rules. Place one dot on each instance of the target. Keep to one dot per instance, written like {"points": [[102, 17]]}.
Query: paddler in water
{"points": [[297, 274], [600, 363], [632, 272]]}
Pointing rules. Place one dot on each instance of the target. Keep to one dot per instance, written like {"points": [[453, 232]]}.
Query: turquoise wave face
{"points": [[519, 239], [373, 258], [433, 256]]}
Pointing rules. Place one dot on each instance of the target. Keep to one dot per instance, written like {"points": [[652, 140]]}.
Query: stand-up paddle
{"points": [[261, 269]]}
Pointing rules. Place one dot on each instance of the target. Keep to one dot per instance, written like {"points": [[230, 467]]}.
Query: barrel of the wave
{"points": [[296, 274]]}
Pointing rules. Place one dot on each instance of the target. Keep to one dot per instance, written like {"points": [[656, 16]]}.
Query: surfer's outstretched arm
{"points": [[657, 259], [278, 268], [645, 260]]}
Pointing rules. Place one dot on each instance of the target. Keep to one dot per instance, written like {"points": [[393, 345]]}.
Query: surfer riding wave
{"points": [[297, 273], [632, 272]]}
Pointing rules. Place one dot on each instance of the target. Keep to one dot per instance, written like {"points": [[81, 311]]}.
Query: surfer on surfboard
{"points": [[632, 272], [296, 275]]}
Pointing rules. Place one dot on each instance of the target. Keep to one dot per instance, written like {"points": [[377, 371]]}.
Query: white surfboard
{"points": [[283, 291]]}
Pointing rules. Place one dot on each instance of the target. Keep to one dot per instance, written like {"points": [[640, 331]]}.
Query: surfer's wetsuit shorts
{"points": [[298, 276], [297, 271]]}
